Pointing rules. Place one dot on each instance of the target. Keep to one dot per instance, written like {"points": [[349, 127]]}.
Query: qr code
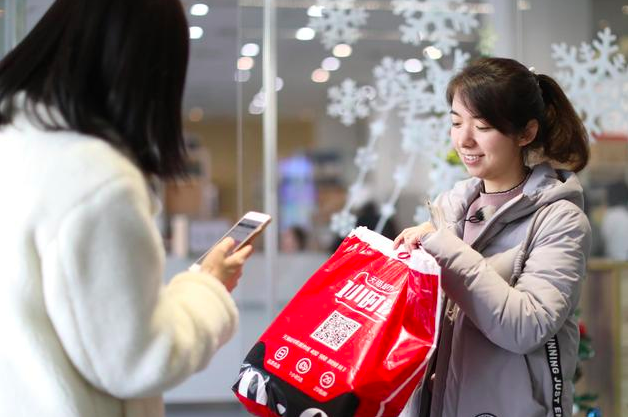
{"points": [[335, 330]]}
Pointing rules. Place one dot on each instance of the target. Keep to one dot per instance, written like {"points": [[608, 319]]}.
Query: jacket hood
{"points": [[545, 186]]}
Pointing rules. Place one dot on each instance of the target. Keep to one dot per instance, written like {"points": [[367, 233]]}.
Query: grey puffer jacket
{"points": [[509, 335]]}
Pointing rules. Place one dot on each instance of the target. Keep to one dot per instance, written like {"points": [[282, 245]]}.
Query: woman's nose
{"points": [[465, 137]]}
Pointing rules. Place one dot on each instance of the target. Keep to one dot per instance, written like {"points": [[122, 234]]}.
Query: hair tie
{"points": [[536, 76]]}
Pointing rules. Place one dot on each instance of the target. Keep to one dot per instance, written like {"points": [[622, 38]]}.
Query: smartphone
{"points": [[243, 232]]}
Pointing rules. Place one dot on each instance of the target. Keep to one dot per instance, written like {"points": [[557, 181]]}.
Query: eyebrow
{"points": [[455, 113]]}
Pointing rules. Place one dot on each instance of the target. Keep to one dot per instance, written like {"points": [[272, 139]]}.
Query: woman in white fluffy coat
{"points": [[91, 107]]}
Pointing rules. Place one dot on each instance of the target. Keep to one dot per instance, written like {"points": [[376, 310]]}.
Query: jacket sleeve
{"points": [[520, 318], [124, 331]]}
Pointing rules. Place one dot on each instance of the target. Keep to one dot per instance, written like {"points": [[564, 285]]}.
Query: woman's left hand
{"points": [[410, 238]]}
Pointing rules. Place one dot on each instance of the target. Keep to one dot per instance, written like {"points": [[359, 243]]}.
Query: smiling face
{"points": [[487, 153]]}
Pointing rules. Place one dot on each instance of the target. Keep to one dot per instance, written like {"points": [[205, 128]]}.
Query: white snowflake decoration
{"points": [[421, 214], [366, 158], [340, 22], [616, 91], [438, 22], [343, 222], [423, 110], [391, 83], [444, 175], [349, 101], [595, 78]]}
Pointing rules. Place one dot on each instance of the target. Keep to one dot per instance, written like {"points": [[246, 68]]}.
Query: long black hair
{"points": [[508, 95], [114, 69]]}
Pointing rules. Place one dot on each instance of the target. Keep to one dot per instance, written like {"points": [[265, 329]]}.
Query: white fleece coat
{"points": [[88, 327]]}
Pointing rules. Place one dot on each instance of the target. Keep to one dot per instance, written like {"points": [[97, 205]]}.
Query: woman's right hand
{"points": [[224, 265]]}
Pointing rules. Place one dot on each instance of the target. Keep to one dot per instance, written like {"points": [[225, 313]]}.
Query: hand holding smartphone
{"points": [[243, 233]]}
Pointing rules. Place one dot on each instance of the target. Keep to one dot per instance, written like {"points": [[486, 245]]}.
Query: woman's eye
{"points": [[455, 124], [483, 128]]}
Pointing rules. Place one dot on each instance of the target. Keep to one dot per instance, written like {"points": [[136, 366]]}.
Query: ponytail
{"points": [[563, 138]]}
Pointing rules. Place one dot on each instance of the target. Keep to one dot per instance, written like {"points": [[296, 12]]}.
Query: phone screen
{"points": [[241, 231]]}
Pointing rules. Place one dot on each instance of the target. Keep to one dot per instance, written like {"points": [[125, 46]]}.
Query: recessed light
{"points": [[331, 63], [433, 52], [250, 49], [245, 63], [319, 75], [413, 65], [342, 50], [278, 83], [199, 9], [253, 109], [305, 34], [242, 76], [315, 11], [196, 32]]}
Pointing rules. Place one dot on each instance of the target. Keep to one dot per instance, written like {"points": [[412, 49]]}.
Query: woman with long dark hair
{"points": [[512, 242], [90, 111]]}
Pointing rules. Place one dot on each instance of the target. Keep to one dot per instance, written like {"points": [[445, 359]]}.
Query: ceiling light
{"points": [[250, 49], [432, 52], [305, 34], [523, 5], [259, 100], [319, 75], [253, 109], [196, 114], [245, 63], [342, 50], [278, 83], [196, 32], [624, 9], [199, 9], [331, 63], [315, 11], [242, 76], [413, 65]]}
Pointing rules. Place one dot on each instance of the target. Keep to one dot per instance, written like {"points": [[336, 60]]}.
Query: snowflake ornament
{"points": [[593, 77], [444, 175], [401, 177], [421, 214], [377, 128], [366, 158], [421, 106], [340, 22], [437, 21], [343, 222], [391, 83], [348, 101], [615, 91]]}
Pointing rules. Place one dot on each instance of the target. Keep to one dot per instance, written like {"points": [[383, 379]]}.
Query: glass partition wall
{"points": [[330, 114], [362, 124]]}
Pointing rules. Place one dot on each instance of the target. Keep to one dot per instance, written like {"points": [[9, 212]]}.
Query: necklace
{"points": [[510, 189]]}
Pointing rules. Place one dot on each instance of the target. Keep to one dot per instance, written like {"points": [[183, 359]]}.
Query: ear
{"points": [[529, 133]]}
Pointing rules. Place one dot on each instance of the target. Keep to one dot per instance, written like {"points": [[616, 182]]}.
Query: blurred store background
{"points": [[361, 138]]}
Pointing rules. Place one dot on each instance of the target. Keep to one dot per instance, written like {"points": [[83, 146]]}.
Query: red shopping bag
{"points": [[354, 341]]}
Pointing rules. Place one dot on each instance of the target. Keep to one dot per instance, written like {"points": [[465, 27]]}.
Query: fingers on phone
{"points": [[243, 254], [228, 242]]}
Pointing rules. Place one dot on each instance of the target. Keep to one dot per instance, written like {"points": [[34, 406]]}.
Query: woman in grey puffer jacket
{"points": [[512, 242]]}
